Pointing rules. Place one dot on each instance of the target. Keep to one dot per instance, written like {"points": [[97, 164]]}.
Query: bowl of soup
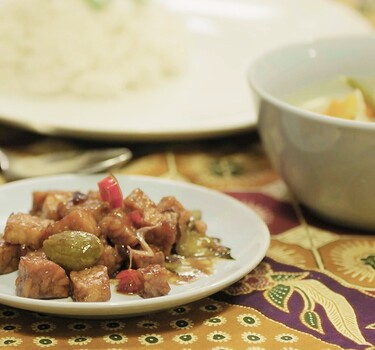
{"points": [[317, 124]]}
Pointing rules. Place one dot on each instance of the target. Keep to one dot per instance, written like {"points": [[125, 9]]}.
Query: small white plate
{"points": [[237, 225], [212, 98]]}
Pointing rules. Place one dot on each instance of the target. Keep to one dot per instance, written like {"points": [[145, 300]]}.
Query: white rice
{"points": [[69, 47]]}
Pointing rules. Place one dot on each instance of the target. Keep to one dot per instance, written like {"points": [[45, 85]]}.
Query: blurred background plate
{"points": [[213, 97]]}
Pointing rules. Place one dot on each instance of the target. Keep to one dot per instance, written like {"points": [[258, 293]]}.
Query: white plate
{"points": [[213, 97], [227, 218]]}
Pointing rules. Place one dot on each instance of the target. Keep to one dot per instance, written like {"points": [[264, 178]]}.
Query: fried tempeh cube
{"points": [[141, 260], [112, 258], [91, 284], [164, 234], [155, 281], [9, 256], [40, 278], [118, 227], [25, 229], [76, 220], [46, 203]]}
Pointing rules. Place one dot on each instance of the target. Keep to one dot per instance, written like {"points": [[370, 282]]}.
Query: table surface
{"points": [[315, 289]]}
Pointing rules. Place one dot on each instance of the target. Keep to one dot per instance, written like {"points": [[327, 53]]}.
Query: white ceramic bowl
{"points": [[327, 162]]}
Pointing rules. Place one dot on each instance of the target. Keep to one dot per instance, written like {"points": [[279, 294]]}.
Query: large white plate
{"points": [[213, 97], [227, 218]]}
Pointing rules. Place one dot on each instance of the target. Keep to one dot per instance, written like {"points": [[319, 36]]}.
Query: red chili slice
{"points": [[110, 191], [130, 282], [136, 218]]}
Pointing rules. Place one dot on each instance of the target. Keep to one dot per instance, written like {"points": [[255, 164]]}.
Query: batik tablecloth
{"points": [[315, 289]]}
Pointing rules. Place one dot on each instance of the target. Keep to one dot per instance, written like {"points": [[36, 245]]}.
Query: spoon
{"points": [[15, 166]]}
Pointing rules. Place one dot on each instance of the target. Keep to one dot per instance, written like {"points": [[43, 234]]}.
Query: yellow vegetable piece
{"points": [[346, 108]]}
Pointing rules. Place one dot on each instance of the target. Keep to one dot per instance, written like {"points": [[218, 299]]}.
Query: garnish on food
{"points": [[110, 191]]}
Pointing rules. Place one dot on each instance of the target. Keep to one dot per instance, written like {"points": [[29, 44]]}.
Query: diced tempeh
{"points": [[76, 220], [46, 203], [111, 258], [25, 229], [155, 281], [170, 203], [90, 202], [164, 235], [138, 200], [91, 284], [40, 278], [140, 260], [118, 227], [9, 256]]}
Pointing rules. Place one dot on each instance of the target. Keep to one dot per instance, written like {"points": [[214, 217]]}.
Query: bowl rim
{"points": [[310, 115]]}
